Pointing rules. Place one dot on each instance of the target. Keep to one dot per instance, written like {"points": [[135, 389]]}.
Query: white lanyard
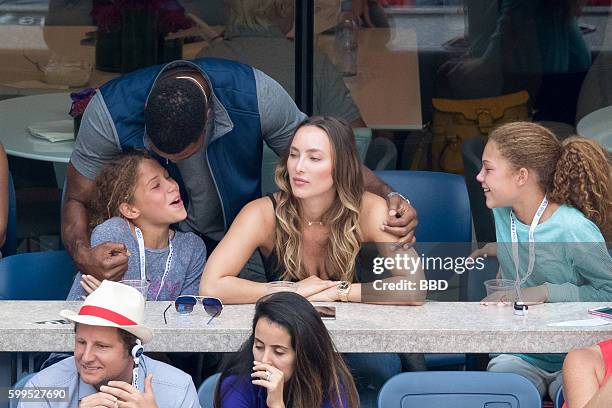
{"points": [[141, 250], [514, 237]]}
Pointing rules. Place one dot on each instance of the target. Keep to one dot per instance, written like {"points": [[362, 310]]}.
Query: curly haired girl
{"points": [[135, 202], [551, 201]]}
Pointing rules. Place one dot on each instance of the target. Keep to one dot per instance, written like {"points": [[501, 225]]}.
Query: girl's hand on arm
{"points": [[271, 378]]}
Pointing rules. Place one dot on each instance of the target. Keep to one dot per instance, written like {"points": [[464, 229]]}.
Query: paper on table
{"points": [[55, 131], [581, 323]]}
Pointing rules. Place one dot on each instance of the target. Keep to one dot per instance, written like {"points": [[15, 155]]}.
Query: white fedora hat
{"points": [[113, 304]]}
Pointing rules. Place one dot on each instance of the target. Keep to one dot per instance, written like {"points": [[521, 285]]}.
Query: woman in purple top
{"points": [[288, 361]]}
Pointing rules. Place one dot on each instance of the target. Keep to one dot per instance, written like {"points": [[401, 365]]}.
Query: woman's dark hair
{"points": [[319, 374]]}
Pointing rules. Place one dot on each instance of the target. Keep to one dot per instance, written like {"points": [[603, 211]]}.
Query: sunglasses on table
{"points": [[184, 306]]}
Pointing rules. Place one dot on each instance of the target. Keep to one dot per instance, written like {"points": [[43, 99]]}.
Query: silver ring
{"points": [[268, 375]]}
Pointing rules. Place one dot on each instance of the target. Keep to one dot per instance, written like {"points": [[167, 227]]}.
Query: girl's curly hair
{"points": [[115, 185], [575, 172], [582, 180]]}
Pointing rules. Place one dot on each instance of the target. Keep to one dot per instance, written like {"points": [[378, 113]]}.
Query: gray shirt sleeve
{"points": [[332, 96], [96, 142], [278, 113], [191, 284]]}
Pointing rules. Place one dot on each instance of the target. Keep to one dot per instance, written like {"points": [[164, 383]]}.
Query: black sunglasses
{"points": [[184, 305]]}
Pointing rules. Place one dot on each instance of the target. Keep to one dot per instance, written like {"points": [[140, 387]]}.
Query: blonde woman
{"points": [[311, 230]]}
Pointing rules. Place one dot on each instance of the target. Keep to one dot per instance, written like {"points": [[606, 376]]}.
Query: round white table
{"points": [[17, 114], [597, 126]]}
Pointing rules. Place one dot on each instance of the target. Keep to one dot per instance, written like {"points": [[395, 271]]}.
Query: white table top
{"points": [[597, 125], [17, 114], [436, 327]]}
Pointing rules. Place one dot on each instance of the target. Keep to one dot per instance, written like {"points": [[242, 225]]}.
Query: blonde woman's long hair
{"points": [[342, 217]]}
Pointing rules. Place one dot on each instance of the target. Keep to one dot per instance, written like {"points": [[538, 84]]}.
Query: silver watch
{"points": [[395, 193]]}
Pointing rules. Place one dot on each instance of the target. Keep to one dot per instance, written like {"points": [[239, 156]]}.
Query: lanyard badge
{"points": [[519, 307], [141, 250]]}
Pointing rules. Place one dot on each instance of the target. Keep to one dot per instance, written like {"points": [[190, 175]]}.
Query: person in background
{"points": [[558, 196], [289, 360], [256, 34]]}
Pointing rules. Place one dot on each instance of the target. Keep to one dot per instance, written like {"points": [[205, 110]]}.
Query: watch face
{"points": [[343, 285]]}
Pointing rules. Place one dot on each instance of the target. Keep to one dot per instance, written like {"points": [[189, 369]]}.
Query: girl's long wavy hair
{"points": [[575, 172], [114, 185], [319, 372], [342, 217]]}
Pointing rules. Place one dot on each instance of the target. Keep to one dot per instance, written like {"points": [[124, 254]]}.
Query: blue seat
{"points": [[36, 276], [458, 389], [559, 399], [206, 391], [443, 208], [10, 244], [19, 385], [441, 201]]}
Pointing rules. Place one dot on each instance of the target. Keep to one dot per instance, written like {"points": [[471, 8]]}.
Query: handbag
{"points": [[455, 120]]}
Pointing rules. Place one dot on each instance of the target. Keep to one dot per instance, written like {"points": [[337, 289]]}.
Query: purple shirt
{"points": [[241, 393]]}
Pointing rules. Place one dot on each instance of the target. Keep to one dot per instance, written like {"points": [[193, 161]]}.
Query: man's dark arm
{"points": [[373, 184], [105, 261]]}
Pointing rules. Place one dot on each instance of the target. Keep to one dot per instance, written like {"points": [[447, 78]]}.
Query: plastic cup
{"points": [[501, 285], [140, 285], [282, 286]]}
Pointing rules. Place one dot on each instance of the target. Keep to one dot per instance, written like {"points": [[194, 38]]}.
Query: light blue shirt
{"points": [[571, 257], [172, 387]]}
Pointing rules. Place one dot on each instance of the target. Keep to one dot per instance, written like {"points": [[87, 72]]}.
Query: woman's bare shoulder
{"points": [[372, 204], [260, 209], [372, 215]]}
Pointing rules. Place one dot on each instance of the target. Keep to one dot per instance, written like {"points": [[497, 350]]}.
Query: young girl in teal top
{"points": [[554, 200]]}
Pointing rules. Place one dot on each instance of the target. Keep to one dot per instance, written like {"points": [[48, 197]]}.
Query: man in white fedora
{"points": [[108, 368]]}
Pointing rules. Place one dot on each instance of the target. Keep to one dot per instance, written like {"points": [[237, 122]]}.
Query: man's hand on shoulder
{"points": [[401, 219], [108, 260]]}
